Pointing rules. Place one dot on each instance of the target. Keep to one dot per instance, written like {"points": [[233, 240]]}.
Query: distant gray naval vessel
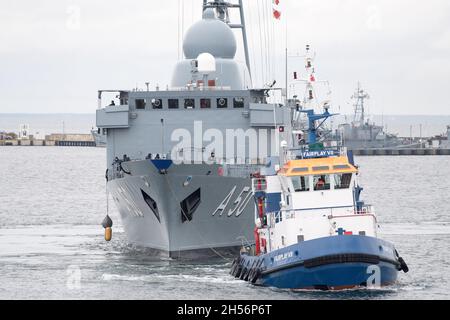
{"points": [[361, 133], [185, 200]]}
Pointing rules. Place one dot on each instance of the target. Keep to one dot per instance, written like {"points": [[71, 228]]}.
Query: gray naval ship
{"points": [[361, 133], [191, 200]]}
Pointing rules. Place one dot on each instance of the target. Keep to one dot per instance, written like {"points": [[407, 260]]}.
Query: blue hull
{"points": [[336, 262]]}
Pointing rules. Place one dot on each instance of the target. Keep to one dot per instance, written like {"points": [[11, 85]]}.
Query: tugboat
{"points": [[312, 230]]}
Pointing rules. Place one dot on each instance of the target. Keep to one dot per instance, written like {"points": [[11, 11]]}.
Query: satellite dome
{"points": [[209, 35]]}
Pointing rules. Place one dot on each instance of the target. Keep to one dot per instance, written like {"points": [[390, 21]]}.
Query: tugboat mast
{"points": [[221, 7]]}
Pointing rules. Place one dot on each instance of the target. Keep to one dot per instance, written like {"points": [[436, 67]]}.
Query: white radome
{"points": [[206, 63], [210, 35]]}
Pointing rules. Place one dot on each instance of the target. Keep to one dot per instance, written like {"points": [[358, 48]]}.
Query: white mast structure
{"points": [[311, 100]]}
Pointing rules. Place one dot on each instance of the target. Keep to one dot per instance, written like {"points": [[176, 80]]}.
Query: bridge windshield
{"points": [[300, 183], [321, 182], [342, 180]]}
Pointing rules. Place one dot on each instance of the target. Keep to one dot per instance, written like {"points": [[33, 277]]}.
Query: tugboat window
{"points": [[238, 102], [205, 103], [157, 104], [342, 181], [341, 166], [173, 103], [300, 183], [300, 169], [140, 104], [222, 103], [321, 182], [189, 103], [321, 168]]}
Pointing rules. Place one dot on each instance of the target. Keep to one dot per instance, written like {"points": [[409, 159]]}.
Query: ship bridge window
{"points": [[342, 181], [321, 182], [173, 103], [140, 104], [189, 103], [205, 103], [222, 103], [157, 104], [341, 166], [300, 183], [321, 168], [297, 170], [238, 102]]}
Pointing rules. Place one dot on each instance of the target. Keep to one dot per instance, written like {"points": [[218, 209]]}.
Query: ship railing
{"points": [[115, 172], [200, 88], [236, 167], [198, 156], [365, 209], [335, 212]]}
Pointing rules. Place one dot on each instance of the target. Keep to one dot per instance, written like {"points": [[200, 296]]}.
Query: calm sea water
{"points": [[52, 201]]}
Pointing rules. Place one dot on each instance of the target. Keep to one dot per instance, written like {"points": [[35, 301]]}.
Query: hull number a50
{"points": [[238, 206]]}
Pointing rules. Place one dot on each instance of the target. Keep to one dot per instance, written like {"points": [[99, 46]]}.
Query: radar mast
{"points": [[360, 95]]}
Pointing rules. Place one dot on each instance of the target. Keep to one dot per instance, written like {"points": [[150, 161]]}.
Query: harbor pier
{"points": [[54, 139], [402, 152]]}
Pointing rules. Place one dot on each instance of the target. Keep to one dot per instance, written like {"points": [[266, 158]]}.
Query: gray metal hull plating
{"points": [[210, 232]]}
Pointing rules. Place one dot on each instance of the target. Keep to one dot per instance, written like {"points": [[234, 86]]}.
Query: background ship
{"points": [[361, 133]]}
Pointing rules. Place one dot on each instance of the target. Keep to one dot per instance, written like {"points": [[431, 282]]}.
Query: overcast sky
{"points": [[56, 54]]}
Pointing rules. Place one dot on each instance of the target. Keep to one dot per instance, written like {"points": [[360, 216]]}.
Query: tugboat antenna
{"points": [[221, 7]]}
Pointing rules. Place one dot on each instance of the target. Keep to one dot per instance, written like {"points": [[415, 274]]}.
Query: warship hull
{"points": [[188, 212], [206, 115]]}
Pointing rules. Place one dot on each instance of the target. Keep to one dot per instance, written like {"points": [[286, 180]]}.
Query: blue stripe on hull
{"points": [[334, 276], [326, 263]]}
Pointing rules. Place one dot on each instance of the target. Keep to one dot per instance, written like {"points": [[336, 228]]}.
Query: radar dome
{"points": [[209, 35]]}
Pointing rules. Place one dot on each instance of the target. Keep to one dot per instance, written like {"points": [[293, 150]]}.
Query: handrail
{"points": [[366, 210]]}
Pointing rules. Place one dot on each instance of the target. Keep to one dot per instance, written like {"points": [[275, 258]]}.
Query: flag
{"points": [[312, 78], [276, 9]]}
